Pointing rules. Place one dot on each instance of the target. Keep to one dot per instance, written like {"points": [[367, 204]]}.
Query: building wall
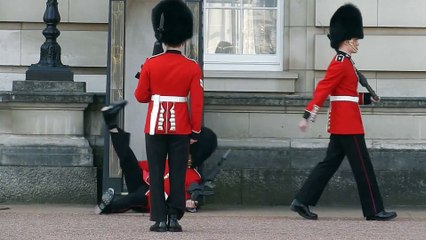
{"points": [[84, 31], [390, 55], [390, 51]]}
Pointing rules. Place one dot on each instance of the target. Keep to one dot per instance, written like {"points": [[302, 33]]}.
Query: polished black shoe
{"points": [[173, 224], [158, 227], [382, 216], [303, 210], [110, 113]]}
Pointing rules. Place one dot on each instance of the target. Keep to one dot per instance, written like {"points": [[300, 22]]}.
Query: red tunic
{"points": [[192, 176], [340, 82], [172, 75]]}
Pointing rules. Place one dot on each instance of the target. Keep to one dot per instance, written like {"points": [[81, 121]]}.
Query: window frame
{"points": [[260, 62]]}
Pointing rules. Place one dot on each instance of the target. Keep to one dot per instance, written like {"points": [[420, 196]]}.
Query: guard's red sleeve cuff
{"points": [[195, 135], [364, 98], [311, 115]]}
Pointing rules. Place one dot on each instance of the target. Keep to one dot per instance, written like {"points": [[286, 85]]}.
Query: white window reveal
{"points": [[243, 35]]}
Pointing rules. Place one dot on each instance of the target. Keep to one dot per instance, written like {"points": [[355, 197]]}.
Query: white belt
{"points": [[344, 98], [157, 99]]}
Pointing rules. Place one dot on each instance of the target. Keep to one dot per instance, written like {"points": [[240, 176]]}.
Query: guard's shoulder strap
{"points": [[340, 58], [156, 55]]}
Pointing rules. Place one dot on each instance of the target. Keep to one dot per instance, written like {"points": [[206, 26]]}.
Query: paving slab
{"points": [[41, 221]]}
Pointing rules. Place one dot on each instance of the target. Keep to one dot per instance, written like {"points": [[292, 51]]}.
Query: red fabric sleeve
{"points": [[361, 98], [143, 89], [332, 78], [197, 101], [364, 98]]}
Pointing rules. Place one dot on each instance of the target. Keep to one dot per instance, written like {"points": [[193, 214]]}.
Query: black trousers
{"points": [[136, 199], [354, 147], [158, 149]]}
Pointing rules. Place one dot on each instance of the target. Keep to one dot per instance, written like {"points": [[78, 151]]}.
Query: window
{"points": [[243, 35]]}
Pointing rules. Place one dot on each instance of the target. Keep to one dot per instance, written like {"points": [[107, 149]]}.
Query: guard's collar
{"points": [[344, 54], [173, 51]]}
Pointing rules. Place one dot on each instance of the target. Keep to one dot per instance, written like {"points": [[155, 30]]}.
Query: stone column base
{"points": [[45, 150]]}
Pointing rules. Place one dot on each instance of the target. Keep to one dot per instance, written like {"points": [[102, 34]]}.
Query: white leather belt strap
{"points": [[344, 98], [169, 98], [157, 99]]}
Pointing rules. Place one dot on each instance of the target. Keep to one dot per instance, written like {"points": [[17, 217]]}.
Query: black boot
{"points": [[173, 224], [382, 216], [158, 227], [303, 210], [110, 113]]}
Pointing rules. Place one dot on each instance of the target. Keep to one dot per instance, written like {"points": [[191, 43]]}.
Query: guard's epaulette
{"points": [[340, 57], [156, 55], [190, 59]]}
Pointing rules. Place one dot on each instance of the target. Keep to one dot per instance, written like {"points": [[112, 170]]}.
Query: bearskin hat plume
{"points": [[172, 22], [346, 23]]}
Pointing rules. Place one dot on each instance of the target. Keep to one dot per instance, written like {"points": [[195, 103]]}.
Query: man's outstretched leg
{"points": [[111, 112], [128, 163], [135, 200], [121, 142]]}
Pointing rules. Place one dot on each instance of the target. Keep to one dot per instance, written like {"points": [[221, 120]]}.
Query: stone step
{"points": [[44, 150]]}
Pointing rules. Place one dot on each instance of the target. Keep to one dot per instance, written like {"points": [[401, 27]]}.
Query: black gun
{"points": [[363, 81], [205, 188], [158, 48]]}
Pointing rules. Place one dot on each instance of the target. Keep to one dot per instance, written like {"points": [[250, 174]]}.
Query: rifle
{"points": [[157, 49], [363, 81], [205, 188]]}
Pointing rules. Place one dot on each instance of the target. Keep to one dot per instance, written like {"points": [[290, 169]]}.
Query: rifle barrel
{"points": [[363, 81], [224, 157], [212, 175]]}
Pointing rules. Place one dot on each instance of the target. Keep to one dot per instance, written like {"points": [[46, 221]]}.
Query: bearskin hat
{"points": [[172, 22], [346, 23], [204, 147]]}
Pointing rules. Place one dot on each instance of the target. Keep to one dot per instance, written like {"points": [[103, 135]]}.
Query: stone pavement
{"points": [[61, 222]]}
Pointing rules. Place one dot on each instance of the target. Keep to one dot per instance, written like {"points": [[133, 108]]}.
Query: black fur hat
{"points": [[204, 147], [172, 22], [346, 23]]}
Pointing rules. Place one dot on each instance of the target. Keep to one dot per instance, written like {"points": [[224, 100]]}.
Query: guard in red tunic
{"points": [[136, 173], [192, 176], [172, 85], [344, 122]]}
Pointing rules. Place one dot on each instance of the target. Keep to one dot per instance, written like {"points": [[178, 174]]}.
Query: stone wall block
{"points": [[48, 184]]}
